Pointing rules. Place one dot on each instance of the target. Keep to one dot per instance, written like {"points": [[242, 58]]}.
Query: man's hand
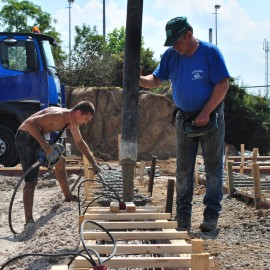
{"points": [[96, 168], [201, 120]]}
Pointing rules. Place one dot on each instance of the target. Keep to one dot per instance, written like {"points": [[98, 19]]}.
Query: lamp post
{"points": [[69, 45], [104, 19], [216, 8]]}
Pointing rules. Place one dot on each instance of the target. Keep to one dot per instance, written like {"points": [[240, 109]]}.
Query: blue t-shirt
{"points": [[193, 77]]}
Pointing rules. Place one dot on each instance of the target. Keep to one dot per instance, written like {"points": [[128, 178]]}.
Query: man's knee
{"points": [[30, 184]]}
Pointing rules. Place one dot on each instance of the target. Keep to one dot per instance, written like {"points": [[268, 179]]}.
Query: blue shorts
{"points": [[27, 148]]}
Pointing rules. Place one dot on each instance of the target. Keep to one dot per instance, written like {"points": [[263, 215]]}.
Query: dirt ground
{"points": [[241, 241]]}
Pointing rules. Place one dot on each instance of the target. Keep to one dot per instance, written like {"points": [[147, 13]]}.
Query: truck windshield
{"points": [[48, 54]]}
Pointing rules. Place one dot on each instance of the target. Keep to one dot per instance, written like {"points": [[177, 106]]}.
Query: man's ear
{"points": [[189, 35], [78, 113]]}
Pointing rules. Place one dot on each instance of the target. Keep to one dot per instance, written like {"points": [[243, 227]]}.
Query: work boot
{"points": [[209, 223], [183, 222]]}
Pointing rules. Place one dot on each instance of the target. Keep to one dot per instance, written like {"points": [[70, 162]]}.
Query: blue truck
{"points": [[29, 82]]}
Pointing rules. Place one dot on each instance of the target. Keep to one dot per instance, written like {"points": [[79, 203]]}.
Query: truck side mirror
{"points": [[31, 55]]}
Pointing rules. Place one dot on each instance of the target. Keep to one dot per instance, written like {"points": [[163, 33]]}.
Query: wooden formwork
{"points": [[254, 187], [146, 237]]}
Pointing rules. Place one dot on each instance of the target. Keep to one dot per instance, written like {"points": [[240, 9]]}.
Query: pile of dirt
{"points": [[156, 134], [241, 241]]}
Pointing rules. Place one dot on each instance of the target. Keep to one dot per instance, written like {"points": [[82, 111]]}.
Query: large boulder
{"points": [[156, 134]]}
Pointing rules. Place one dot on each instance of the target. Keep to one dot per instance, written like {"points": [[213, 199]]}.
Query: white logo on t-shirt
{"points": [[197, 74]]}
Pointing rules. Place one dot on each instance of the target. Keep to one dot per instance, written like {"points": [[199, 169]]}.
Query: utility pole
{"points": [[216, 8], [210, 35], [266, 49], [69, 45], [129, 145], [104, 19]]}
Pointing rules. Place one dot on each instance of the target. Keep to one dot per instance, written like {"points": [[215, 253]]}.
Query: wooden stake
{"points": [[170, 193], [242, 158], [226, 157], [257, 186], [119, 142], [152, 175], [199, 260], [255, 155], [196, 173], [142, 166], [230, 177]]}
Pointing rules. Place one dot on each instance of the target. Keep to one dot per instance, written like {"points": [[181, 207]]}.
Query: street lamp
{"points": [[69, 7], [216, 8], [104, 19]]}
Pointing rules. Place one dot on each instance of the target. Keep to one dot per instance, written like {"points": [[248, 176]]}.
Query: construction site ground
{"points": [[241, 241]]}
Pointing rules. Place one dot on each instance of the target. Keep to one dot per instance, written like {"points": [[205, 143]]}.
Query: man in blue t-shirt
{"points": [[199, 80]]}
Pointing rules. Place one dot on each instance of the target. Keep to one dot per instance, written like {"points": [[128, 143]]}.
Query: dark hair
{"points": [[85, 107], [188, 28]]}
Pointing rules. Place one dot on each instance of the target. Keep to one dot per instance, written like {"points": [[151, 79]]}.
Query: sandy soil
{"points": [[241, 242]]}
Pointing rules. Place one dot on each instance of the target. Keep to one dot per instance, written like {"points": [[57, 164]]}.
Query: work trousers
{"points": [[213, 152]]}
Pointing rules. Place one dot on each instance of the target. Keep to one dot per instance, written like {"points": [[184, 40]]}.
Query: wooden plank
{"points": [[137, 235], [139, 262], [120, 225], [200, 261], [128, 216], [130, 207], [95, 210], [59, 267], [257, 186], [141, 248]]}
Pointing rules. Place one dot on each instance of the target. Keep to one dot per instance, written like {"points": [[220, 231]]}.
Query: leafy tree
{"points": [[247, 119], [91, 64], [16, 15], [116, 41], [116, 46]]}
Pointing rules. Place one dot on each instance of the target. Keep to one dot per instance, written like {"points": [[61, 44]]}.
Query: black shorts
{"points": [[27, 148]]}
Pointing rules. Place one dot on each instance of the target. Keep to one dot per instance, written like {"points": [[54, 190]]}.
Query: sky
{"points": [[242, 27]]}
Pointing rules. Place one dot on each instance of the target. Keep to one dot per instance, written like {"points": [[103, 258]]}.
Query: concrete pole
{"points": [[129, 146]]}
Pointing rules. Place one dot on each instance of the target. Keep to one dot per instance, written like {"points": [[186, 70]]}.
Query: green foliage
{"points": [[15, 17], [95, 62], [91, 64], [247, 119], [116, 41], [16, 14]]}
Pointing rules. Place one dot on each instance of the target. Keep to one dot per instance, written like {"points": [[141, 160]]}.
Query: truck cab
{"points": [[29, 82]]}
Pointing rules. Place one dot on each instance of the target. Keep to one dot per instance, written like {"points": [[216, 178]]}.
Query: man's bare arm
{"points": [[149, 81], [32, 126], [83, 147], [216, 98]]}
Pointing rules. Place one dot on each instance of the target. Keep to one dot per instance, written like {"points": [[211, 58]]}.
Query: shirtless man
{"points": [[30, 137]]}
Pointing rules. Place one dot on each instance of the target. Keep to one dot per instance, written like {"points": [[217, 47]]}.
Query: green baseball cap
{"points": [[174, 28]]}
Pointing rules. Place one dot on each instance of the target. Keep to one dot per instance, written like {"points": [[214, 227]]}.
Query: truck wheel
{"points": [[8, 152]]}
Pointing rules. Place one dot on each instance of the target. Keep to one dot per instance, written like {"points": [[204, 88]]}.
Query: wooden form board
{"points": [[245, 187], [159, 244], [127, 216], [139, 225]]}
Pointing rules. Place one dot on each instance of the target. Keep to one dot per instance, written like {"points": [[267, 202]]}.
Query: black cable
{"points": [[79, 187], [15, 191], [108, 233], [104, 195], [74, 254], [43, 255]]}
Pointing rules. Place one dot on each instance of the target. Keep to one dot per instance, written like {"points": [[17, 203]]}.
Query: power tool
{"points": [[50, 160], [191, 130]]}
